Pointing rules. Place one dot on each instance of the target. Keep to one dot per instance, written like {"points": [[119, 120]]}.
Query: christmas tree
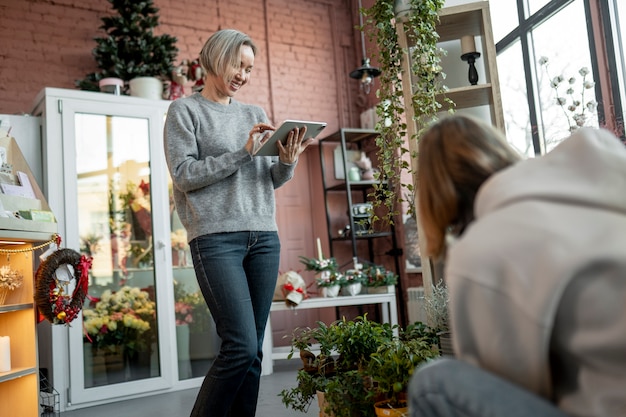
{"points": [[130, 48]]}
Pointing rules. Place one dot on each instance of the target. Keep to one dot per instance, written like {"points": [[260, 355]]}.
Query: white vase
{"points": [[146, 87], [182, 345], [331, 292], [352, 289]]}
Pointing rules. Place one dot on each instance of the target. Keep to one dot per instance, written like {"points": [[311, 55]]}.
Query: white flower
{"points": [[583, 71], [543, 60], [589, 84]]}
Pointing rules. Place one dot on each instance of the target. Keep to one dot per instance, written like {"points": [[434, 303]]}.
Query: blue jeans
{"points": [[451, 388], [237, 274]]}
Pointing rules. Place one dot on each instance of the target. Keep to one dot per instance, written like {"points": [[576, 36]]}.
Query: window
{"points": [[554, 58]]}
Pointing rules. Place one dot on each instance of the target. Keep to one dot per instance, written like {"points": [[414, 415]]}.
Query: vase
{"points": [[331, 292], [445, 343], [146, 87], [114, 364], [182, 347], [352, 289]]}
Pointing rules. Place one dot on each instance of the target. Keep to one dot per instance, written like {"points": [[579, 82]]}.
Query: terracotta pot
{"points": [[383, 409]]}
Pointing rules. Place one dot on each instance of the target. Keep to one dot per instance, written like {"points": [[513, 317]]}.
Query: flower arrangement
{"points": [[319, 264], [352, 276], [575, 109], [179, 239], [200, 316], [10, 280], [379, 276], [183, 313], [329, 279], [120, 319]]}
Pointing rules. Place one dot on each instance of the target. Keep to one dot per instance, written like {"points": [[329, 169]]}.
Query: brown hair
{"points": [[456, 156]]}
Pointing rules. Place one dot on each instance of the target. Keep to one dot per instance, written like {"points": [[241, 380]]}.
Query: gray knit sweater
{"points": [[218, 186]]}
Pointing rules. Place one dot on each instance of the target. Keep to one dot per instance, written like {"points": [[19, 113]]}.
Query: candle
{"points": [[319, 249], [5, 354], [468, 44]]}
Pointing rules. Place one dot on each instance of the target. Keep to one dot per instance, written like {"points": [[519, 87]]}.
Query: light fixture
{"points": [[365, 73]]}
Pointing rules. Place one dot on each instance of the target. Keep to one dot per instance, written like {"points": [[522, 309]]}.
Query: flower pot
{"points": [[352, 289], [445, 344], [384, 409], [146, 87], [380, 290], [331, 292], [111, 85]]}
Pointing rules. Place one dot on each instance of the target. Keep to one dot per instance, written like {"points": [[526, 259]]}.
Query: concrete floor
{"points": [[179, 403]]}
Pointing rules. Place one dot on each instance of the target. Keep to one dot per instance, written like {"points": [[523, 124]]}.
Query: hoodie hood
{"points": [[587, 169]]}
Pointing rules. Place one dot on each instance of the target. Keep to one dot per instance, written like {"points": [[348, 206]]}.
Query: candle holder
{"points": [[472, 74]]}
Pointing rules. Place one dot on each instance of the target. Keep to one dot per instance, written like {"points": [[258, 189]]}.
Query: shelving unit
{"points": [[455, 22], [19, 387], [345, 194]]}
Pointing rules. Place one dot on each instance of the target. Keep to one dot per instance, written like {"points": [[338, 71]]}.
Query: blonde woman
{"points": [[224, 196]]}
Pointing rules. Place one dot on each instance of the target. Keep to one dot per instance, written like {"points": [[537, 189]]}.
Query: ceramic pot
{"points": [[331, 292], [146, 87], [352, 289]]}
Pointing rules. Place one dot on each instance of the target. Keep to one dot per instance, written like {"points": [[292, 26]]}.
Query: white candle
{"points": [[5, 354], [468, 44], [319, 249]]}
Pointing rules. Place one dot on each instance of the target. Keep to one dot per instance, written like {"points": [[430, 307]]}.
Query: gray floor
{"points": [[179, 404]]}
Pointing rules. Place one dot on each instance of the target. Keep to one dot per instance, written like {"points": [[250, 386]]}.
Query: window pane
{"points": [[514, 99], [503, 17], [564, 105], [620, 48], [535, 5]]}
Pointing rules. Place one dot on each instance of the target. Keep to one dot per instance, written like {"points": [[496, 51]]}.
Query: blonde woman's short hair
{"points": [[456, 156], [221, 52]]}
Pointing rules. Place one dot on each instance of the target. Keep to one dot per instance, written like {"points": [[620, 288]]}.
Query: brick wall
{"points": [[307, 48]]}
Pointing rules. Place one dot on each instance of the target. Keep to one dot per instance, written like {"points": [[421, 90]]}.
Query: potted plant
{"points": [[392, 366], [436, 306], [328, 277], [351, 281], [420, 19], [378, 279], [338, 371], [131, 50]]}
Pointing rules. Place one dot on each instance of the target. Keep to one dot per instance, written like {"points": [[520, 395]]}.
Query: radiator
{"points": [[416, 304]]}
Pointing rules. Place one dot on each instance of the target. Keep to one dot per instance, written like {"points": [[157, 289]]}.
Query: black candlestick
{"points": [[472, 74]]}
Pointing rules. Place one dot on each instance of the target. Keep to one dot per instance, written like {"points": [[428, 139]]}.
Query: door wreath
{"points": [[52, 296]]}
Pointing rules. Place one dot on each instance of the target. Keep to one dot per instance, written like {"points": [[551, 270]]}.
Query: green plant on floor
{"points": [[130, 49], [392, 366], [343, 369]]}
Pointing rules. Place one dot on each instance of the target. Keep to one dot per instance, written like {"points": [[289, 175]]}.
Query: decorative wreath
{"points": [[52, 302]]}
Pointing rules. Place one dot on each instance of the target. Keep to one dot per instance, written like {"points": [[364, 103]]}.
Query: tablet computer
{"points": [[270, 148]]}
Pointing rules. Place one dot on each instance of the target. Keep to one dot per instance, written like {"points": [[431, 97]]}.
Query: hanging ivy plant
{"points": [[426, 76]]}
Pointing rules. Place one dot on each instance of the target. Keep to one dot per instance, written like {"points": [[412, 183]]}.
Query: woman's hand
{"points": [[295, 145], [258, 136]]}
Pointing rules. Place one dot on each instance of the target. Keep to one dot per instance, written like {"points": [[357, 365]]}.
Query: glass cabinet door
{"points": [[110, 207], [115, 229]]}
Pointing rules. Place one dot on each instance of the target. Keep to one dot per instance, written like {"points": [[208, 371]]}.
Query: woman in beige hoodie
{"points": [[535, 262]]}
